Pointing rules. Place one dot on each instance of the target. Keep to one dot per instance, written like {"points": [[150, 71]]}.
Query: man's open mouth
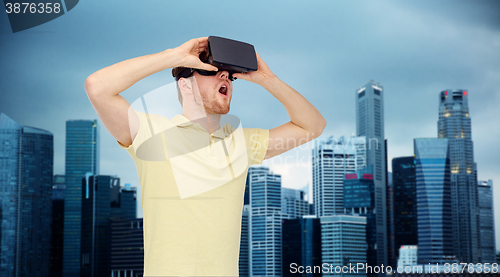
{"points": [[223, 90]]}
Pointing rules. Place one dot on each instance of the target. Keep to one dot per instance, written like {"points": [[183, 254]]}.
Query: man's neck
{"points": [[209, 122]]}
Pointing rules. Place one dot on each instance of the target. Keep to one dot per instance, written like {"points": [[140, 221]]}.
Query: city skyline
{"points": [[433, 47]]}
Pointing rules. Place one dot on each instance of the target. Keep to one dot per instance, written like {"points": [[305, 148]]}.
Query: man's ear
{"points": [[186, 85]]}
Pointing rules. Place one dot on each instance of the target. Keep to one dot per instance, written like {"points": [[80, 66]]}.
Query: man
{"points": [[192, 170]]}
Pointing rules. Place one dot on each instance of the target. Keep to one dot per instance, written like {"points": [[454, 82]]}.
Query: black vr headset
{"points": [[227, 55]]}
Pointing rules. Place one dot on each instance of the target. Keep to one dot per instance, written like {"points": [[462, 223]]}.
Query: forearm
{"points": [[114, 79], [302, 113]]}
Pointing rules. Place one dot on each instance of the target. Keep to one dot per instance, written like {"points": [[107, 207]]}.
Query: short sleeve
{"points": [[257, 141], [143, 134]]}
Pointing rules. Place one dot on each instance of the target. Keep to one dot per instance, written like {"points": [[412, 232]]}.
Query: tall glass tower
{"points": [[405, 200], [293, 204], [331, 160], [343, 243], [26, 165], [359, 194], [455, 124], [433, 199], [486, 221], [265, 222], [370, 123], [95, 235], [82, 156]]}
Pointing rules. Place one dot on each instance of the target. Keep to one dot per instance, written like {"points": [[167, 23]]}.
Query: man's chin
{"points": [[218, 111]]}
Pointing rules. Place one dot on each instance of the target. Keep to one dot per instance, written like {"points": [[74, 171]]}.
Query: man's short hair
{"points": [[177, 70]]}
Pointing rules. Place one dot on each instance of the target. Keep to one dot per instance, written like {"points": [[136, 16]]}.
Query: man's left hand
{"points": [[258, 77]]}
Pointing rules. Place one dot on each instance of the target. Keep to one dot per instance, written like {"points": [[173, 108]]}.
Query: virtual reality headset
{"points": [[227, 55]]}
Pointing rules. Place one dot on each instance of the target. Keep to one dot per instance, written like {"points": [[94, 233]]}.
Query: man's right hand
{"points": [[188, 54], [103, 87]]}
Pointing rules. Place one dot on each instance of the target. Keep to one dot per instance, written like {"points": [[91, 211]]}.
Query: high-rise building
{"points": [[405, 200], [95, 235], [128, 202], [265, 222], [408, 256], [26, 166], [455, 124], [389, 192], [56, 250], [331, 160], [244, 260], [370, 123], [486, 222], [293, 204], [359, 199], [301, 244], [127, 248], [433, 199], [123, 200], [343, 242], [82, 157]]}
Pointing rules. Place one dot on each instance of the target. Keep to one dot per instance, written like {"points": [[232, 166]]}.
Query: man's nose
{"points": [[224, 74]]}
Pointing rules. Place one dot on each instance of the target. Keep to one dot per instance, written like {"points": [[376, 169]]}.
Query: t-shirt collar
{"points": [[182, 121]]}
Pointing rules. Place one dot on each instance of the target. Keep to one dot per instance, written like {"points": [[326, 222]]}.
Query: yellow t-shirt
{"points": [[192, 185]]}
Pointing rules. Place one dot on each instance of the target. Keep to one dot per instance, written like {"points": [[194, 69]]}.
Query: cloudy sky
{"points": [[323, 49]]}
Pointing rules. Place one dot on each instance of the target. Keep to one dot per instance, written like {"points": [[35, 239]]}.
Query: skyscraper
{"points": [[127, 247], [82, 157], [331, 160], [95, 235], [301, 242], [265, 222], [370, 123], [486, 221], [26, 165], [293, 204], [128, 202], [343, 242], [433, 199], [405, 200], [359, 199], [57, 246], [455, 124], [123, 200], [244, 261]]}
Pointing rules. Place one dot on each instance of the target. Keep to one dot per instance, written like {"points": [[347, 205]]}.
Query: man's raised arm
{"points": [[306, 121], [104, 86]]}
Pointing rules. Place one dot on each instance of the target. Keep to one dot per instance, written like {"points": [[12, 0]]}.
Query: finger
{"points": [[206, 66], [202, 39], [242, 76]]}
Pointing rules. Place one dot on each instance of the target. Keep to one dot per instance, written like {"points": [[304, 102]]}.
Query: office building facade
{"points": [[26, 167], [359, 199], [332, 158], [455, 124], [95, 234], [123, 200], [82, 157], [128, 202], [301, 245], [404, 201], [370, 123], [343, 242], [244, 258], [57, 243], [408, 256], [127, 248], [265, 222], [433, 200], [486, 222], [293, 203]]}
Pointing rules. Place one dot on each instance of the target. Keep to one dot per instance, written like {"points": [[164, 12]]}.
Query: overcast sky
{"points": [[323, 49]]}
